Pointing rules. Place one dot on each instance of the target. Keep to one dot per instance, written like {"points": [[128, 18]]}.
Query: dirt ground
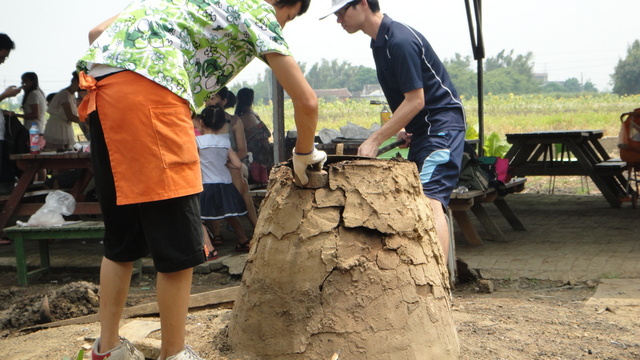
{"points": [[519, 319]]}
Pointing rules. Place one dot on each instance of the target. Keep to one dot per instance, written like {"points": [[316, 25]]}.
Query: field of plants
{"points": [[503, 114]]}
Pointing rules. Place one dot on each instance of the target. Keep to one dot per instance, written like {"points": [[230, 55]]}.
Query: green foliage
{"points": [[334, 75], [626, 76], [503, 114], [463, 78], [495, 146], [80, 356], [571, 85], [472, 133], [506, 73]]}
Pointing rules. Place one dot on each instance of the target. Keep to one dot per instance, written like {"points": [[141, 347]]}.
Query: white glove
{"points": [[301, 161]]}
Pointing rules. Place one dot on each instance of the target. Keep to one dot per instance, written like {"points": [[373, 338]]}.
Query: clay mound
{"points": [[354, 267]]}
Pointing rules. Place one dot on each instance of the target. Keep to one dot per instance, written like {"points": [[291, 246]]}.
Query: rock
{"points": [[485, 286], [217, 263], [202, 269], [45, 311], [235, 264]]}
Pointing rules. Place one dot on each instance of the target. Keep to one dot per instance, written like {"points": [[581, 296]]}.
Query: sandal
{"points": [[211, 255], [243, 247], [215, 239]]}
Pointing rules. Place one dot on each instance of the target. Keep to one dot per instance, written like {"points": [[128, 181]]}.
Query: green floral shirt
{"points": [[191, 47]]}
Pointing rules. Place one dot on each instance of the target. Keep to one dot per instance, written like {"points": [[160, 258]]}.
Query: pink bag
{"points": [[502, 170]]}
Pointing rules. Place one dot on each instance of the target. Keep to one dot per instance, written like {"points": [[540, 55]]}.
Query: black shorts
{"points": [[169, 229]]}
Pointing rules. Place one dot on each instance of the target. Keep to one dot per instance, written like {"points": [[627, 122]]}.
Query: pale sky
{"points": [[569, 38]]}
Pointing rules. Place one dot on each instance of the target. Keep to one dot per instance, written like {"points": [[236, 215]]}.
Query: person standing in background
{"points": [[427, 111], [257, 135], [63, 113], [220, 199], [34, 102], [239, 145]]}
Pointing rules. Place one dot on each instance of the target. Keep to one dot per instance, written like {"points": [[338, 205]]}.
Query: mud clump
{"points": [[69, 301]]}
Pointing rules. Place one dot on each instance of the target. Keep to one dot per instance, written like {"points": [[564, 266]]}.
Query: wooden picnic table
{"points": [[474, 200], [569, 153], [30, 164]]}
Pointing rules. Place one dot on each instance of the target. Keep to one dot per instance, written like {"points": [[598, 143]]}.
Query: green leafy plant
{"points": [[80, 356], [495, 146], [472, 133]]}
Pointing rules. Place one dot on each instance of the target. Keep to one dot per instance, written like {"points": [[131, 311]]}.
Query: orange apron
{"points": [[149, 136]]}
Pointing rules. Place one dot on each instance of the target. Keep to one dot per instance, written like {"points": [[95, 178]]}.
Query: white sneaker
{"points": [[186, 354], [124, 351]]}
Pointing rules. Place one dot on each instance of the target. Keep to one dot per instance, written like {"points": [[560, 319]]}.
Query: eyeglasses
{"points": [[340, 13]]}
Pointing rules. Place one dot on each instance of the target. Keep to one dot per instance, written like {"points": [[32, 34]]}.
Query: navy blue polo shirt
{"points": [[405, 61]]}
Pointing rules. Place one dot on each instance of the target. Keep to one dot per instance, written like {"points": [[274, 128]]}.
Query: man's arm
{"points": [[96, 31], [305, 101], [411, 105], [11, 91]]}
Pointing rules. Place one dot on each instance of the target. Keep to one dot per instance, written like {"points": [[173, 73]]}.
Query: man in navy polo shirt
{"points": [[427, 111]]}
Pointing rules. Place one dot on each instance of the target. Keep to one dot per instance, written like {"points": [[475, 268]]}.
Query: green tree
{"points": [[572, 85], [462, 76], [626, 76], [552, 87], [589, 87], [333, 75], [505, 73]]}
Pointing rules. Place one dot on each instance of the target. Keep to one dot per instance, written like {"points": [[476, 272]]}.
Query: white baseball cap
{"points": [[335, 6]]}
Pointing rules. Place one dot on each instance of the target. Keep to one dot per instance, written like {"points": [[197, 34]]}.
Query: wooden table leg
{"points": [[18, 192], [509, 215], [43, 245], [469, 232], [21, 259], [487, 222]]}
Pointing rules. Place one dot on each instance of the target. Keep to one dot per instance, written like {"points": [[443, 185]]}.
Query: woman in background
{"points": [[225, 99], [257, 136], [63, 112], [34, 102]]}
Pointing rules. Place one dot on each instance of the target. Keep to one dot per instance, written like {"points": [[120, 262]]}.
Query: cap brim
{"points": [[335, 8]]}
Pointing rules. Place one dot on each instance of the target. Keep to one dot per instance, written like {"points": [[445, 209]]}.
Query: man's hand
{"points": [[369, 148], [301, 161], [11, 91], [406, 137]]}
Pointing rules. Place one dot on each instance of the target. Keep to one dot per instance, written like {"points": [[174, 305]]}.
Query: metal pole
{"points": [[477, 45], [278, 120]]}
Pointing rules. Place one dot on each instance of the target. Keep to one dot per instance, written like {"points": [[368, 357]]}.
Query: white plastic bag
{"points": [[57, 203]]}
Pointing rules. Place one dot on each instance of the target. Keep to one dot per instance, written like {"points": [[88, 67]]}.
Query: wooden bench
{"points": [[30, 194], [473, 200], [611, 166], [258, 195], [81, 230]]}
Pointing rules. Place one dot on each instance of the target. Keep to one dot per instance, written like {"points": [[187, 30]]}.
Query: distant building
{"points": [[542, 77], [339, 94], [372, 91]]}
